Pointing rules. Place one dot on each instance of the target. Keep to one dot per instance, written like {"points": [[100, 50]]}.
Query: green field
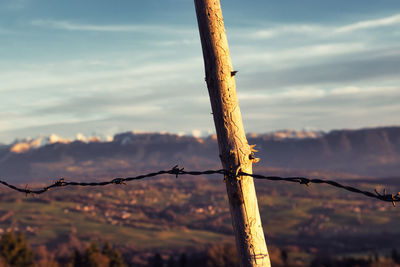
{"points": [[170, 215]]}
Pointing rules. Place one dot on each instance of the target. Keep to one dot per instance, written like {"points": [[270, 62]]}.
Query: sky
{"points": [[100, 67]]}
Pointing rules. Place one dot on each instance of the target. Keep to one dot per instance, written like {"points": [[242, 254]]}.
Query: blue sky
{"points": [[102, 67]]}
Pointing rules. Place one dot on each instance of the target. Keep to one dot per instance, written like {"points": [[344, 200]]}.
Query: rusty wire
{"points": [[180, 171]]}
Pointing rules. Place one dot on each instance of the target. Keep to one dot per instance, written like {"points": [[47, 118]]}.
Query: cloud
{"points": [[369, 24], [100, 106], [279, 30], [315, 31], [307, 94], [72, 26], [273, 32], [177, 43], [301, 107], [294, 75], [253, 60], [71, 92], [79, 74], [379, 66]]}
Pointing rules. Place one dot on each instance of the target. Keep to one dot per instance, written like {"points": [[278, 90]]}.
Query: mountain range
{"points": [[372, 152]]}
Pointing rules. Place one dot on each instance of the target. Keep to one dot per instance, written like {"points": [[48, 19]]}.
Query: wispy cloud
{"points": [[301, 107], [373, 66], [78, 74], [315, 30], [73, 26], [309, 93], [257, 59], [324, 75], [279, 30], [70, 92], [369, 24]]}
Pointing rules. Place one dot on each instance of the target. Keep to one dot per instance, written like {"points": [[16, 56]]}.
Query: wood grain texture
{"points": [[235, 152]]}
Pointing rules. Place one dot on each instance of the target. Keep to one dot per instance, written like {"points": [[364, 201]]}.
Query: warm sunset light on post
{"points": [[235, 152]]}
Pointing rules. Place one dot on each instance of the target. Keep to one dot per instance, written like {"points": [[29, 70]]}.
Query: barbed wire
{"points": [[393, 198]]}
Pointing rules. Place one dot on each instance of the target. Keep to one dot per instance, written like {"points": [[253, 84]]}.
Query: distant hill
{"points": [[366, 152]]}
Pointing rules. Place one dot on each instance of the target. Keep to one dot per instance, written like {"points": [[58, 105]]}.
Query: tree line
{"points": [[15, 251]]}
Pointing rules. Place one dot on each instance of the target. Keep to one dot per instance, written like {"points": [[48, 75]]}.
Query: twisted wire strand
{"points": [[180, 171]]}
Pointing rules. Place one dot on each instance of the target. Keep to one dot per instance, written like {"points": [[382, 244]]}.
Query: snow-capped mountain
{"points": [[368, 152], [287, 134]]}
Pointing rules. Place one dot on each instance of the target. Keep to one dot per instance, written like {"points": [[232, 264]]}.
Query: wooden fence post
{"points": [[235, 152]]}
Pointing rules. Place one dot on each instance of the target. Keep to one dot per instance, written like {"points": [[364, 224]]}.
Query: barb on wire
{"points": [[180, 171], [307, 181]]}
